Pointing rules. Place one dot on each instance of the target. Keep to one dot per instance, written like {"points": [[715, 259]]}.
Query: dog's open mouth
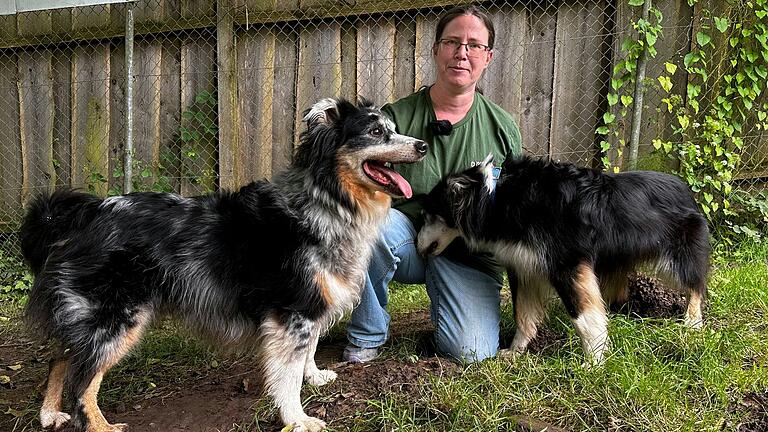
{"points": [[383, 174]]}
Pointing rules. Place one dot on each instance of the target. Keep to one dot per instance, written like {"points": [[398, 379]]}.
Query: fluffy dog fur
{"points": [[578, 231], [269, 267]]}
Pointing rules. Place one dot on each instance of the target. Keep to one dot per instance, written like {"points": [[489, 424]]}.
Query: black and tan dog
{"points": [[269, 267], [576, 231]]}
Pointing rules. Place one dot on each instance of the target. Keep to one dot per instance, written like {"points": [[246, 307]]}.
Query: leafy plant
{"points": [[198, 135], [15, 279], [141, 173], [724, 102], [623, 82]]}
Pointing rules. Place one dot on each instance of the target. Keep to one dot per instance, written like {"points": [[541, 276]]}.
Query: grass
{"points": [[658, 376]]}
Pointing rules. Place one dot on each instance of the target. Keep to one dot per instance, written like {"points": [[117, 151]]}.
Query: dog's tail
{"points": [[51, 218]]}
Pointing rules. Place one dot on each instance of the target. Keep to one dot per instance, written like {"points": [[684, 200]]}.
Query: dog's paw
{"points": [[117, 427], [320, 377], [510, 353], [694, 323], [308, 424], [53, 419]]}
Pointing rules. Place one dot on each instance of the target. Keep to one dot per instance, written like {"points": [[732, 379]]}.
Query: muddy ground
{"points": [[224, 398]]}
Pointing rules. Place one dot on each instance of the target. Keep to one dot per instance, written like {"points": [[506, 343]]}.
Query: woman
{"points": [[462, 128]]}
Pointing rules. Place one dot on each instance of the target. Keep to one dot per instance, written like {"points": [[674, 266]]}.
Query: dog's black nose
{"points": [[421, 147]]}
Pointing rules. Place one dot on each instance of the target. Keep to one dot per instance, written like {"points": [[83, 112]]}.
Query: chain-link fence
{"points": [[219, 85]]}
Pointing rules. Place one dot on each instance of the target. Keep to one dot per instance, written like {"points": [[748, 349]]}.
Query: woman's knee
{"points": [[468, 347]]}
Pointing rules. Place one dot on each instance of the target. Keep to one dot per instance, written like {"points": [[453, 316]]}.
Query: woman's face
{"points": [[458, 67]]}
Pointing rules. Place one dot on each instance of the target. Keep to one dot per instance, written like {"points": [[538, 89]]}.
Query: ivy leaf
{"points": [[626, 100], [613, 99], [603, 130], [703, 39], [636, 2], [721, 24], [605, 146], [665, 82], [691, 58], [650, 38], [670, 67], [608, 118]]}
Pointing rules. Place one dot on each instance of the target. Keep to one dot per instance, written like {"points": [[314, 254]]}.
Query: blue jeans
{"points": [[465, 301]]}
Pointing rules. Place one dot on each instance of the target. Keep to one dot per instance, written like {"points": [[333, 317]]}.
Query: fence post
{"points": [[226, 69], [128, 161], [637, 109]]}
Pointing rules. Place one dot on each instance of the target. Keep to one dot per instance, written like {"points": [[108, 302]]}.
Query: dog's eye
{"points": [[377, 131]]}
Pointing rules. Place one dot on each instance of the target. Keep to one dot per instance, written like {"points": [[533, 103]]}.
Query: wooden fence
{"points": [[62, 78]]}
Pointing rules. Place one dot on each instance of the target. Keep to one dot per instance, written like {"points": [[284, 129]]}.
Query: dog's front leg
{"points": [[313, 375], [283, 355]]}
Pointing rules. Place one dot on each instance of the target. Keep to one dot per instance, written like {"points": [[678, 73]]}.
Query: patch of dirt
{"points": [[219, 398], [649, 298], [756, 405]]}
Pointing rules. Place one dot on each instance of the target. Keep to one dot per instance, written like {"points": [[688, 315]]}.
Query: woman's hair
{"points": [[465, 10]]}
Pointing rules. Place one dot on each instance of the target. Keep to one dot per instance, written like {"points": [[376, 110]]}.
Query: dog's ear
{"points": [[458, 184], [324, 112], [364, 102]]}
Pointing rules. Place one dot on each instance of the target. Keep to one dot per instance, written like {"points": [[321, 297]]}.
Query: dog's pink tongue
{"points": [[390, 179], [401, 183]]}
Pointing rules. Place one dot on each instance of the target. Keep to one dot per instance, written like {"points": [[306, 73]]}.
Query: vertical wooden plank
{"points": [[146, 106], [579, 80], [404, 57], [502, 81], [671, 46], [319, 70], [230, 167], [170, 113], [375, 59], [117, 123], [10, 150], [284, 102], [148, 11], [36, 127], [172, 10], [349, 62], [256, 58], [91, 117], [62, 119], [194, 9], [622, 30], [198, 78], [423, 56], [537, 80]]}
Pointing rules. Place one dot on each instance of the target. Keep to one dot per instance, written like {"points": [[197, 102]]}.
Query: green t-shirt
{"points": [[486, 128]]}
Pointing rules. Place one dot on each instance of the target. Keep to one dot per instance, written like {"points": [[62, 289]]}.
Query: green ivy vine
{"points": [[724, 102]]}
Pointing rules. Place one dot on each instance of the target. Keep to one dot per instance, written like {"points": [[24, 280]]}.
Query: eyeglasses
{"points": [[473, 48]]}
